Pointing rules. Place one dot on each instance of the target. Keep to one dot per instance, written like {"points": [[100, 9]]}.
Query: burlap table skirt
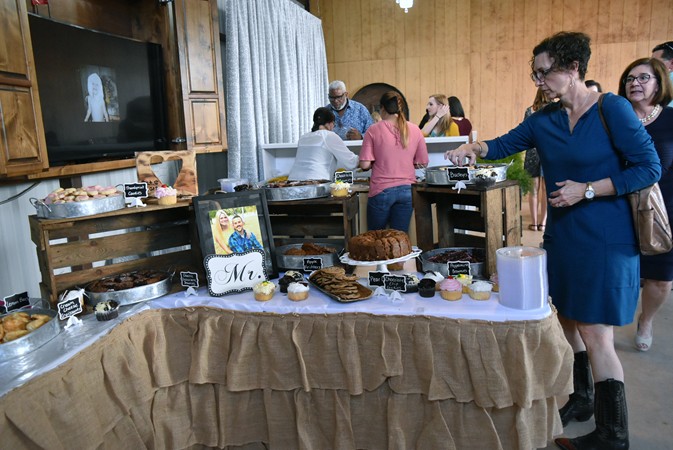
{"points": [[203, 377]]}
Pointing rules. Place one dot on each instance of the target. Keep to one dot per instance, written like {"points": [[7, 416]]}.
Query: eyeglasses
{"points": [[336, 97], [539, 76], [643, 78]]}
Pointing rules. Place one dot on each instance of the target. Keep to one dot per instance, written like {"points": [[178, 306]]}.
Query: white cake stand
{"points": [[381, 266]]}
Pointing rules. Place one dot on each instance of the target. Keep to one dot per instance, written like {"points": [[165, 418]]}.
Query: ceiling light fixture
{"points": [[406, 4]]}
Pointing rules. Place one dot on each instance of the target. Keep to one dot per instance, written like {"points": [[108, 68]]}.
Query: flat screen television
{"points": [[101, 94]]}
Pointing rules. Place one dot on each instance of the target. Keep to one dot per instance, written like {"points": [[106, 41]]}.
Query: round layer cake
{"points": [[379, 245]]}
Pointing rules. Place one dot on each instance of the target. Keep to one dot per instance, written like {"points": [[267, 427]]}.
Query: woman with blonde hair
{"points": [[221, 232], [439, 121], [537, 199], [393, 148]]}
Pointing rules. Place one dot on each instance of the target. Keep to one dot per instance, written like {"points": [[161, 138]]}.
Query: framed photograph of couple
{"points": [[234, 223]]}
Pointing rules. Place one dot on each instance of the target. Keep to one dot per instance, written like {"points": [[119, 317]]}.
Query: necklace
{"points": [[649, 117]]}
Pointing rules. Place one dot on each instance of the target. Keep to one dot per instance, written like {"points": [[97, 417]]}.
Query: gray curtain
{"points": [[275, 72]]}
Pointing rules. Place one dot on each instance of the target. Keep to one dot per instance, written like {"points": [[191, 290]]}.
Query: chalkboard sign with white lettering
{"points": [[395, 283], [68, 308], [135, 190], [458, 174], [345, 176], [311, 264], [376, 278], [189, 279], [459, 267], [14, 302]]}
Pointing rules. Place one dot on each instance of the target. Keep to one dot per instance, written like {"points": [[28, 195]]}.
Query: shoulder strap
{"points": [[600, 114]]}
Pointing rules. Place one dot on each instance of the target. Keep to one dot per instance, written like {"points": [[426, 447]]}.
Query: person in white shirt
{"points": [[321, 152]]}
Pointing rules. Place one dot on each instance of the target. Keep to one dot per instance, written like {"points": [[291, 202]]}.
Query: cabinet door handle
{"points": [[179, 140]]}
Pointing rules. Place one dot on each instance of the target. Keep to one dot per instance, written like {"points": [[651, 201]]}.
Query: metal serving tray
{"points": [[78, 209], [296, 262], [133, 295], [34, 339], [439, 174], [363, 290], [306, 192], [477, 269]]}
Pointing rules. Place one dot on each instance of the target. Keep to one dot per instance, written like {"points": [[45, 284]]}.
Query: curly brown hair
{"points": [[564, 48]]}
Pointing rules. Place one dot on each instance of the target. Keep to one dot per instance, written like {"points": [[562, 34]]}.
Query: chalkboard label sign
{"points": [[459, 267], [345, 176], [68, 308], [376, 278], [135, 190], [311, 264], [458, 174], [189, 279], [395, 283], [14, 302]]}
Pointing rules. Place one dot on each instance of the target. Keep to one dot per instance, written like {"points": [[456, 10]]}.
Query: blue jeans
{"points": [[391, 206]]}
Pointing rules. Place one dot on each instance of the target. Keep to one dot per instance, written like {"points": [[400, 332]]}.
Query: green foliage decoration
{"points": [[515, 171]]}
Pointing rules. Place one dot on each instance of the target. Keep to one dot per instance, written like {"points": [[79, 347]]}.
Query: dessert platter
{"points": [[379, 248], [78, 202], [292, 256], [333, 282], [440, 175], [436, 260], [296, 190], [129, 288], [25, 330]]}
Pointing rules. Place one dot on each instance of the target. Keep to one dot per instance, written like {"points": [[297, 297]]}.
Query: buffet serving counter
{"points": [[199, 371]]}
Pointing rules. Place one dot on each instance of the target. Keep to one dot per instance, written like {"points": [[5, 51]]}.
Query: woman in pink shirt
{"points": [[393, 148]]}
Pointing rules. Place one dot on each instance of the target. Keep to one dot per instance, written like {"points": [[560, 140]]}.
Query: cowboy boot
{"points": [[612, 424], [580, 405]]}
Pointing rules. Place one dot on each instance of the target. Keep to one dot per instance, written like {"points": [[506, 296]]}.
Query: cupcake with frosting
{"points": [[435, 276], [451, 289], [494, 280], [465, 280], [426, 287], [480, 290], [297, 291], [106, 310], [264, 291], [166, 195], [339, 189]]}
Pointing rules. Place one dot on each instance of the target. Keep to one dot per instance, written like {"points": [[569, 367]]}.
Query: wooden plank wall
{"points": [[479, 50]]}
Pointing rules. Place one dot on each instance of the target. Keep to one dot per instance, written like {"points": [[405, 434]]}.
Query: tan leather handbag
{"points": [[648, 209]]}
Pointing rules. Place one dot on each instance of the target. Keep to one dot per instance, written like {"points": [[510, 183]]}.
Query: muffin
{"points": [[106, 310], [494, 280], [297, 291], [339, 189], [426, 287], [465, 280], [451, 289], [264, 291], [291, 276], [166, 195], [412, 282], [480, 290], [435, 276]]}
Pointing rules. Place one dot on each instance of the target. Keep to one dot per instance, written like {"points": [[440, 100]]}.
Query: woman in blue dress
{"points": [[592, 254]]}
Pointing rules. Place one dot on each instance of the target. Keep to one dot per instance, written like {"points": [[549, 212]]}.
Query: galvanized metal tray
{"points": [[34, 339], [297, 261], [77, 209], [477, 269], [439, 174], [305, 192], [132, 295]]}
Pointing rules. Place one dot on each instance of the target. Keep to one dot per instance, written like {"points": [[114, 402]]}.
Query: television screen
{"points": [[101, 95]]}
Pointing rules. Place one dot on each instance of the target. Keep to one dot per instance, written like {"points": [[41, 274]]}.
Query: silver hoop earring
{"points": [[572, 82]]}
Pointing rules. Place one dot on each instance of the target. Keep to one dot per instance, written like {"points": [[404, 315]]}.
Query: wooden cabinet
{"points": [[189, 32], [22, 145]]}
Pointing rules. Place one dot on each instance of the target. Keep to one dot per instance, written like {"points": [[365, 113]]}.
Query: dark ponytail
{"points": [[391, 101], [322, 116]]}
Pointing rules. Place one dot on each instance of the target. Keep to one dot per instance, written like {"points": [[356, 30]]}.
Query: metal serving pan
{"points": [[34, 339], [77, 209], [476, 268], [306, 192], [439, 174], [133, 295], [297, 262]]}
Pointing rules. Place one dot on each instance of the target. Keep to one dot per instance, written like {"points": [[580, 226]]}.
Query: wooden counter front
{"points": [[492, 223]]}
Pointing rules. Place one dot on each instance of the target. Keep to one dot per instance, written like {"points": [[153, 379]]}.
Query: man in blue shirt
{"points": [[352, 118], [241, 240], [664, 53]]}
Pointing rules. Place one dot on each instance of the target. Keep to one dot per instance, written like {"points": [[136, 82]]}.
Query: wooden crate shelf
{"points": [[492, 223], [74, 252]]}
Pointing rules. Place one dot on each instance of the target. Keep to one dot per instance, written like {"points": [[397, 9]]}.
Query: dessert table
{"points": [[203, 372]]}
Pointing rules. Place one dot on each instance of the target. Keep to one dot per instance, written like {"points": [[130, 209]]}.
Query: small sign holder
{"points": [[345, 176], [70, 304], [454, 268], [376, 278], [14, 302], [311, 264], [136, 191], [190, 280]]}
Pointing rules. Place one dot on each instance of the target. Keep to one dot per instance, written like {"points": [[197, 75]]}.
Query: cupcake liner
{"points": [[110, 313]]}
